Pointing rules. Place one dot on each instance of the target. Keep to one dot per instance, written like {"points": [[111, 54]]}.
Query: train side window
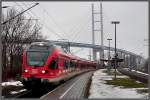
{"points": [[68, 64], [65, 64], [53, 65], [71, 64]]}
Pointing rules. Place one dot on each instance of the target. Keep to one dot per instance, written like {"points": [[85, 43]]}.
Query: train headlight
{"points": [[26, 70], [43, 71]]}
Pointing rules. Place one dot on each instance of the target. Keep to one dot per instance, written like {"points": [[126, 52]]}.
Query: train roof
{"points": [[47, 46], [43, 45]]}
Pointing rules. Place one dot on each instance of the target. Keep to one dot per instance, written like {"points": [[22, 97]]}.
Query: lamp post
{"points": [[109, 55], [115, 22]]}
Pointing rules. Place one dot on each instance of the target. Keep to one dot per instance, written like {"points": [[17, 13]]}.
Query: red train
{"points": [[44, 62]]}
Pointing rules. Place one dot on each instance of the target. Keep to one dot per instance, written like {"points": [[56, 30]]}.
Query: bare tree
{"points": [[16, 29]]}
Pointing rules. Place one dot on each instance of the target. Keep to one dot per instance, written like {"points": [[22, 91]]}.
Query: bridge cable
{"points": [[77, 27], [45, 24], [81, 28], [52, 18], [53, 32]]}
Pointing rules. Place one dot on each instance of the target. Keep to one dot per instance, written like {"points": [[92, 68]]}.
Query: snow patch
{"points": [[14, 83], [99, 89], [13, 92], [137, 71], [16, 92]]}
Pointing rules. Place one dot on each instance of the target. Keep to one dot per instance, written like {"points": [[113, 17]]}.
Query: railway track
{"points": [[74, 88], [37, 92], [22, 94], [18, 94], [44, 89], [143, 77]]}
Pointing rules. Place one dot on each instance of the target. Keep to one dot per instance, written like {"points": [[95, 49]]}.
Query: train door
{"points": [[60, 64], [53, 66], [78, 65], [72, 65], [65, 65]]}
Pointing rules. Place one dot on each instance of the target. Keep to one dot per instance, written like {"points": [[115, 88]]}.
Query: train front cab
{"points": [[39, 66], [54, 70]]}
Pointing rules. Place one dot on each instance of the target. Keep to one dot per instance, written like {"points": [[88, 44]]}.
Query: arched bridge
{"points": [[84, 45], [130, 59]]}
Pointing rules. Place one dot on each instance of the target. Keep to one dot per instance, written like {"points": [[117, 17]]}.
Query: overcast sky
{"points": [[73, 21]]}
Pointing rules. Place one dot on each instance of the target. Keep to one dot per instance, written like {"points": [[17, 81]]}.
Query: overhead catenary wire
{"points": [[74, 34], [20, 13], [42, 23], [50, 29], [77, 31], [47, 20]]}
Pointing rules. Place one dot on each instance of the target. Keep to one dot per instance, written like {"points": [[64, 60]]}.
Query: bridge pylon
{"points": [[100, 21]]}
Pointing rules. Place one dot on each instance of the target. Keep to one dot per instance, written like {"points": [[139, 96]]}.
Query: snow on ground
{"points": [[12, 82], [99, 89], [137, 71], [16, 92]]}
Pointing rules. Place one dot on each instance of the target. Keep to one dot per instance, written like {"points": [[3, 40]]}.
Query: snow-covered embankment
{"points": [[99, 88]]}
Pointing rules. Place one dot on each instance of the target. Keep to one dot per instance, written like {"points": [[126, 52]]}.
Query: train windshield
{"points": [[36, 58]]}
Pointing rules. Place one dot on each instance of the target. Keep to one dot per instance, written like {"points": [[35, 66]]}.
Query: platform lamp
{"points": [[115, 22]]}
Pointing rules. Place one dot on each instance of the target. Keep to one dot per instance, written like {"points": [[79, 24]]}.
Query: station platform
{"points": [[74, 88]]}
